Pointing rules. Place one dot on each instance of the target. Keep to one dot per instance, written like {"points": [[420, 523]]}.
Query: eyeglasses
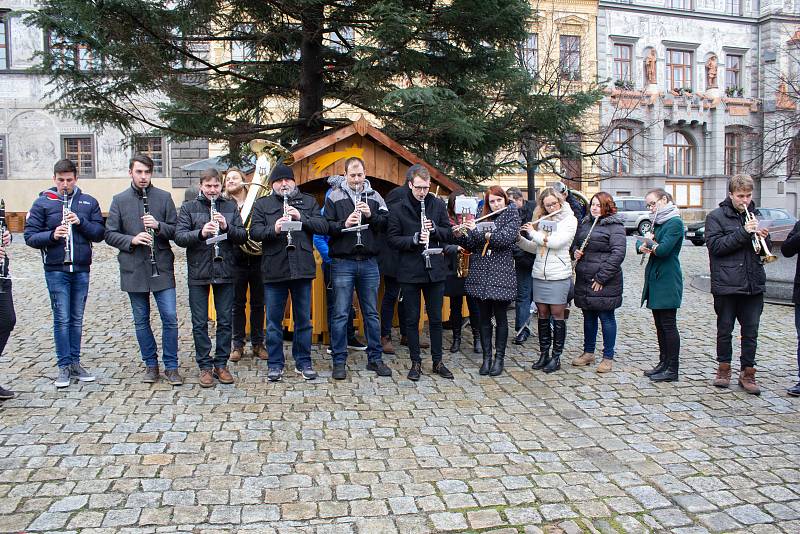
{"points": [[421, 188], [651, 204]]}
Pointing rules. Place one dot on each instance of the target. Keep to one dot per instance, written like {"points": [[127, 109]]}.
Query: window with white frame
{"points": [[679, 69], [621, 156], [528, 53], [733, 153], [678, 155], [4, 41], [622, 62], [685, 194], [733, 71], [243, 47]]}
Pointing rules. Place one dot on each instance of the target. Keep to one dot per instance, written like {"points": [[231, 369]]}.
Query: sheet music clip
{"points": [[432, 251], [486, 226], [217, 239], [356, 228], [291, 226]]}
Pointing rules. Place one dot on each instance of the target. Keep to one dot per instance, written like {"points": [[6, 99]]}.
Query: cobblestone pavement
{"points": [[573, 451]]}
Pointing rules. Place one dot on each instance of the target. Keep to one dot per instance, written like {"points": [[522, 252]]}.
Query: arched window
{"points": [[678, 155]]}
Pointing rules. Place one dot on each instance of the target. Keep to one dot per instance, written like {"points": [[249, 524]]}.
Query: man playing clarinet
{"points": [[140, 223], [353, 251], [63, 223]]}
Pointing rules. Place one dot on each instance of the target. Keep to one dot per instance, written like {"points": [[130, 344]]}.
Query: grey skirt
{"points": [[551, 291]]}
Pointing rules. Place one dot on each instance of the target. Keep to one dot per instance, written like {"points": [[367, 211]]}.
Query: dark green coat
{"points": [[663, 278]]}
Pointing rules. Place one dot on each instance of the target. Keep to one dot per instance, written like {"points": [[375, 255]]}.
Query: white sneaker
{"points": [[63, 379]]}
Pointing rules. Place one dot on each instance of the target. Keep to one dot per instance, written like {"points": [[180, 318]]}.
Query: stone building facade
{"points": [[32, 138], [690, 83]]}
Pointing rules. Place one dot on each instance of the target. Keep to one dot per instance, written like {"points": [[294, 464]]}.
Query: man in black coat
{"points": [[288, 266], [146, 263], [789, 248], [738, 279], [354, 264], [523, 265], [415, 273], [211, 265]]}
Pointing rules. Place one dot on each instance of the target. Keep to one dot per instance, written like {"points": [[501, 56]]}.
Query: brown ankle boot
{"points": [[388, 348], [723, 378], [236, 354], [206, 378], [747, 381], [223, 375]]}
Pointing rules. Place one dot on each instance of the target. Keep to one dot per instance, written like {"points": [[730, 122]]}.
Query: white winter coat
{"points": [[553, 261]]}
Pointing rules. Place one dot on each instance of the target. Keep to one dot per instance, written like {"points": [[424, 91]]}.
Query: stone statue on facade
{"points": [[711, 72], [650, 67]]}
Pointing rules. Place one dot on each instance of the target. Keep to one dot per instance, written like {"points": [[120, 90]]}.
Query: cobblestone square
{"points": [[526, 452]]}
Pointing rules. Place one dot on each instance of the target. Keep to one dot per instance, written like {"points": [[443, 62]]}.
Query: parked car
{"points": [[634, 214], [696, 233]]}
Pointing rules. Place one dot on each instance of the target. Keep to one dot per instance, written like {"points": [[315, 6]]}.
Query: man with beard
{"points": [[246, 274]]}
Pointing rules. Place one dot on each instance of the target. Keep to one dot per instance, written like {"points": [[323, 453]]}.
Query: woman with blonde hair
{"points": [[551, 233]]}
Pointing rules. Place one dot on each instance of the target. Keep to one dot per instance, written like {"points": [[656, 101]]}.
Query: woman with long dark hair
{"points": [[599, 252], [492, 279], [551, 233], [454, 288]]}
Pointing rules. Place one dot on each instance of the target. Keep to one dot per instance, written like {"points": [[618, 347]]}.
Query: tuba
{"points": [[269, 153]]}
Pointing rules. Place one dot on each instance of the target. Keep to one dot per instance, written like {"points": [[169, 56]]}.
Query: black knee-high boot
{"points": [[545, 339], [486, 346], [559, 337], [500, 351]]}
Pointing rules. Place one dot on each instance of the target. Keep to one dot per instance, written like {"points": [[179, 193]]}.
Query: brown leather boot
{"points": [[236, 354], [206, 378], [223, 375], [747, 381], [386, 342], [723, 378], [260, 352]]}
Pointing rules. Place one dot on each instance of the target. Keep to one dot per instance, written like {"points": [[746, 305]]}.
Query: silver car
{"points": [[634, 214]]}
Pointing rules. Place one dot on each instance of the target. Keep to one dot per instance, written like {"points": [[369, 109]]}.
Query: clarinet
{"points": [[359, 244], [217, 256], [153, 265], [3, 229], [65, 211], [423, 219], [289, 243]]}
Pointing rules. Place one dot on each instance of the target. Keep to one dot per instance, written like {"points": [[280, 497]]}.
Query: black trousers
{"points": [[747, 310], [248, 274], [434, 297], [669, 340], [7, 316], [457, 313]]}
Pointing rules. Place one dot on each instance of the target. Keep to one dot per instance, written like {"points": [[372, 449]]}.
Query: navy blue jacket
{"points": [[46, 215]]}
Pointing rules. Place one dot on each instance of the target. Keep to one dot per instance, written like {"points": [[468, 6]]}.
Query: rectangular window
{"points": [[733, 7], [152, 147], [242, 48], [4, 40], [528, 54], [793, 157], [679, 69], [621, 157], [622, 62], [2, 157], [733, 69], [81, 151], [733, 154], [686, 5], [69, 54], [572, 164], [686, 194], [570, 57]]}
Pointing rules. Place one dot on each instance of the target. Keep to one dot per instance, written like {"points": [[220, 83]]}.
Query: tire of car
{"points": [[644, 227], [698, 242]]}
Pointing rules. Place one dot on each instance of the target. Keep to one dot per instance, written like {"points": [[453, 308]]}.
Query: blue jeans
{"points": [[165, 301], [524, 297], [329, 301], [223, 304], [68, 293], [364, 277], [609, 325], [275, 296]]}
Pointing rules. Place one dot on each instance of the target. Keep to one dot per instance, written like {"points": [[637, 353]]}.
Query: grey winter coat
{"points": [[492, 276], [601, 262], [124, 222]]}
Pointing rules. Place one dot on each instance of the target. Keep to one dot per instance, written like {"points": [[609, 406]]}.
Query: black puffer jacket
{"points": [[492, 276], [601, 262], [789, 248], [277, 263], [404, 226], [194, 214], [735, 267]]}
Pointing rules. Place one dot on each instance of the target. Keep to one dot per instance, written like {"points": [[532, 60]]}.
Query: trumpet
{"points": [[760, 246], [65, 211], [289, 244], [153, 265], [217, 256]]}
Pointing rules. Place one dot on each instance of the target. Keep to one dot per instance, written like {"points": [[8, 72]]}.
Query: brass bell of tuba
{"points": [[269, 153]]}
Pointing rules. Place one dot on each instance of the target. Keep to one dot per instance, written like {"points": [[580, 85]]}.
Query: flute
{"points": [[463, 226]]}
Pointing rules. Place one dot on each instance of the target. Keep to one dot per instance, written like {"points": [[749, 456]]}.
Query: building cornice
{"points": [[663, 11]]}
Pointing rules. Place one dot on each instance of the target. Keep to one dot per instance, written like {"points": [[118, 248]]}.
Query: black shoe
{"points": [[497, 365], [553, 365], [6, 394], [442, 371], [339, 371], [456, 346], [545, 340], [415, 372], [380, 368], [356, 344], [477, 346], [486, 366], [793, 391], [662, 364], [522, 337], [667, 375]]}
